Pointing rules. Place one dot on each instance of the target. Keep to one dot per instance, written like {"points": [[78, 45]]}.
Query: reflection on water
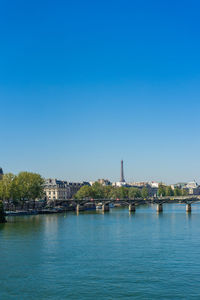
{"points": [[115, 255]]}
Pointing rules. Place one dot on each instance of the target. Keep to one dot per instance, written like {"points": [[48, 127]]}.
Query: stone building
{"points": [[61, 190], [104, 182], [193, 188], [152, 187]]}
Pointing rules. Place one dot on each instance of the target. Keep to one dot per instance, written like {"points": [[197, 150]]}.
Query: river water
{"points": [[102, 256]]}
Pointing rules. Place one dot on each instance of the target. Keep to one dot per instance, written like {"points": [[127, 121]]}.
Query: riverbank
{"points": [[37, 212], [45, 211]]}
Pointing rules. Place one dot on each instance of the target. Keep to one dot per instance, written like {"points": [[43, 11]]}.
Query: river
{"points": [[102, 256]]}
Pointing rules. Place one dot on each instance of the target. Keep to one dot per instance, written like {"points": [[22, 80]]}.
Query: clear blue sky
{"points": [[84, 84]]}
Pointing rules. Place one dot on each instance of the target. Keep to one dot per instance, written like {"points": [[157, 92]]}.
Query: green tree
{"points": [[98, 190], [185, 192], [107, 190], [115, 193], [85, 191], [169, 191], [23, 187], [161, 190], [145, 192], [123, 191], [177, 192], [30, 186], [8, 189], [134, 193]]}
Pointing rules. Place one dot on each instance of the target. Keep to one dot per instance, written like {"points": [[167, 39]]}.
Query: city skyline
{"points": [[120, 180]]}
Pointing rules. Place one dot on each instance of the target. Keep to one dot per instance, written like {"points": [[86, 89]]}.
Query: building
{"points": [[193, 188], [1, 173], [120, 184], [104, 182], [154, 184], [180, 185], [138, 184], [192, 185], [152, 187], [61, 190]]}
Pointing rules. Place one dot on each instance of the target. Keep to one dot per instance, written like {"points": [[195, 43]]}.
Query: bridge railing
{"points": [[149, 199]]}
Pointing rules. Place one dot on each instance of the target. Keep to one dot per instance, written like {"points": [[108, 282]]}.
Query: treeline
{"points": [[165, 191], [98, 191], [22, 187]]}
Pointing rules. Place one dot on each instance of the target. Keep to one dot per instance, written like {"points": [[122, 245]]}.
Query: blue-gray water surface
{"points": [[102, 256]]}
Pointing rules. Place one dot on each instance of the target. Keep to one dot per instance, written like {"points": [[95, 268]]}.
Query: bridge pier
{"points": [[132, 207], [77, 208], [105, 207], [159, 208], [188, 208]]}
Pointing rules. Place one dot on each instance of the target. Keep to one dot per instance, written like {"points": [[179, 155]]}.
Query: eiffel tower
{"points": [[122, 172]]}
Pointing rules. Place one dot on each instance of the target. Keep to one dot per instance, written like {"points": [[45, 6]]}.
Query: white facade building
{"points": [[60, 190]]}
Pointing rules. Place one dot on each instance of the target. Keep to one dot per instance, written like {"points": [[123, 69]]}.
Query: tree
{"points": [[8, 187], [145, 192], [123, 191], [169, 191], [98, 190], [30, 186], [107, 190], [161, 190], [134, 193], [36, 186], [115, 193], [185, 192], [85, 191], [177, 192], [23, 187]]}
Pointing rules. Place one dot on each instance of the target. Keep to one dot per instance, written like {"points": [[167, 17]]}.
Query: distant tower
{"points": [[122, 172], [1, 173]]}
